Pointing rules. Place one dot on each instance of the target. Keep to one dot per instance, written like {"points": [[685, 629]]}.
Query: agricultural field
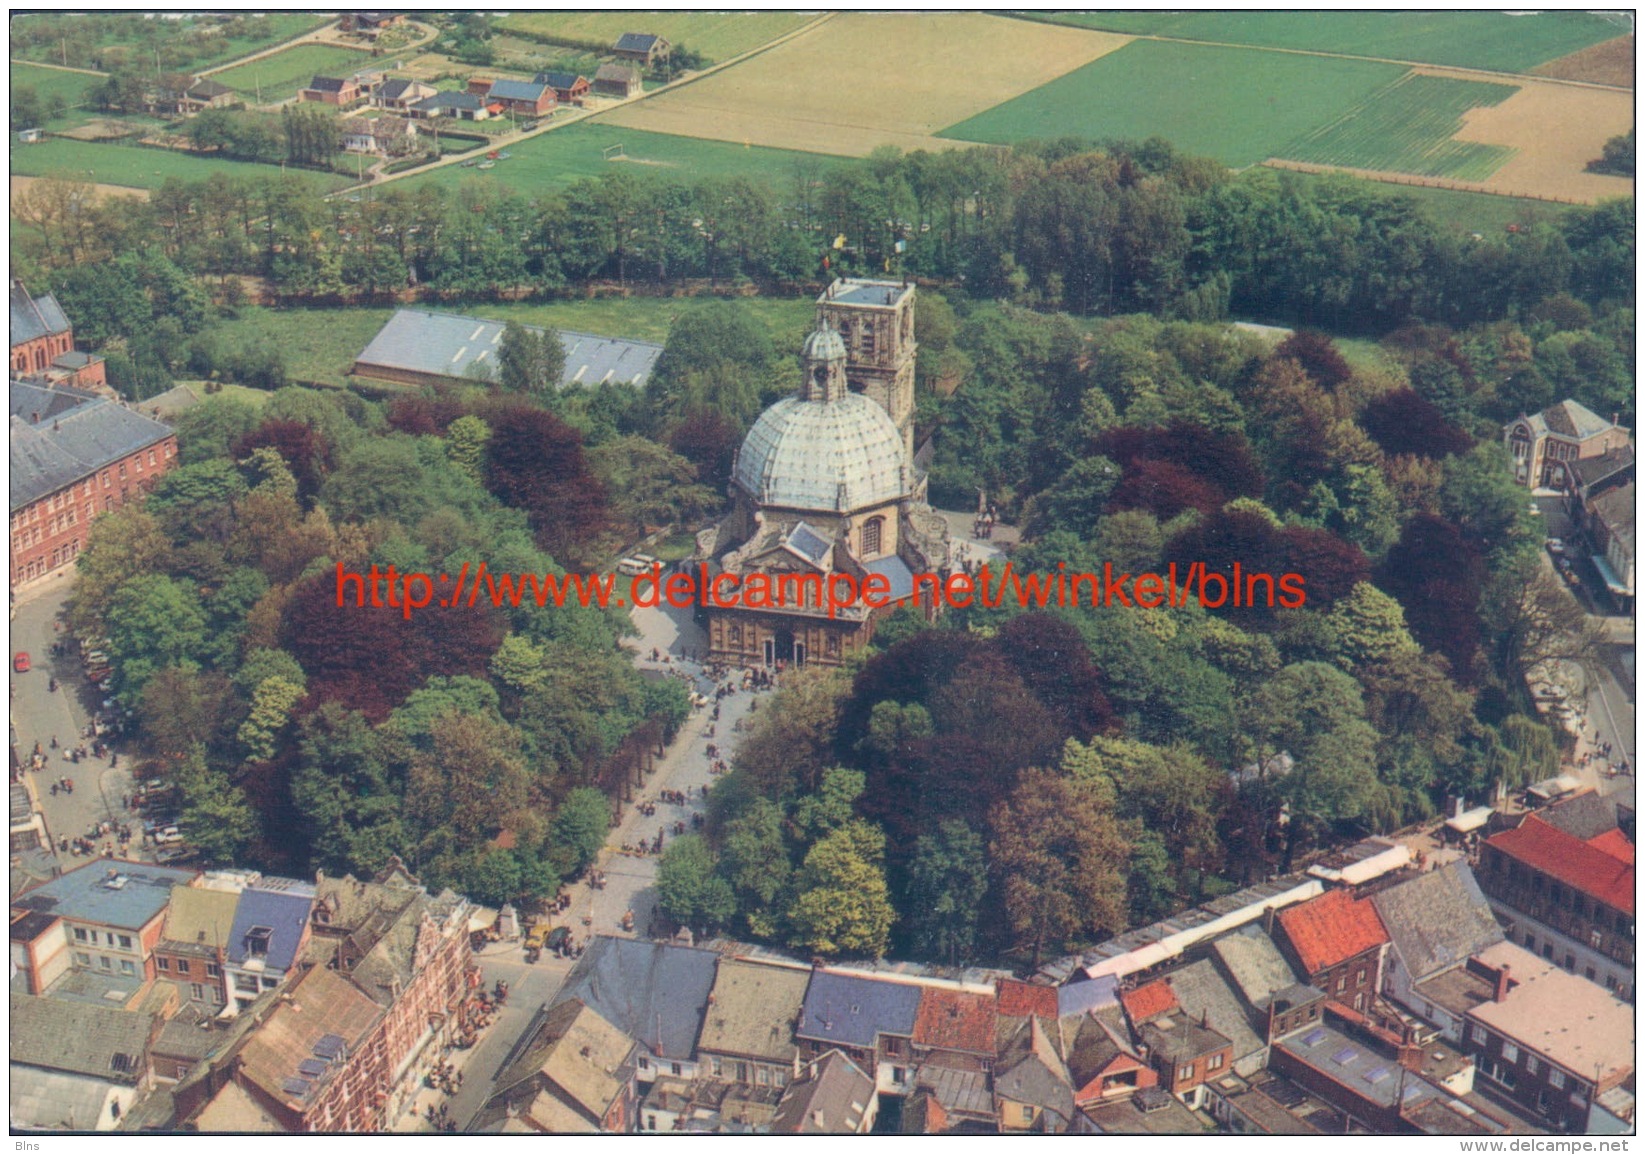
{"points": [[1555, 130], [719, 36], [1459, 210], [1609, 63], [1490, 40], [72, 88], [569, 154], [318, 344], [908, 76], [188, 44], [284, 74], [1408, 128], [137, 167], [1237, 105]]}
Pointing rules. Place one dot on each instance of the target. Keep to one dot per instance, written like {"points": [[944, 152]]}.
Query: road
{"points": [[38, 714]]}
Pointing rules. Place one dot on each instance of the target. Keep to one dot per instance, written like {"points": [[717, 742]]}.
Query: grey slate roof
{"points": [[1087, 995], [52, 1100], [637, 41], [558, 80], [459, 101], [1592, 470], [34, 317], [208, 89], [1573, 419], [896, 571], [86, 894], [80, 1038], [626, 73], [327, 84], [394, 89], [41, 403], [830, 1098], [1255, 965], [387, 966], [1178, 1038], [1585, 816], [284, 914], [656, 993], [526, 90], [808, 543], [76, 442], [1616, 509], [1437, 919], [1035, 1074], [447, 344], [854, 1011], [1205, 996]]}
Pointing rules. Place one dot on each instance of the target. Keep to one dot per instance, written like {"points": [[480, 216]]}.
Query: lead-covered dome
{"points": [[839, 455]]}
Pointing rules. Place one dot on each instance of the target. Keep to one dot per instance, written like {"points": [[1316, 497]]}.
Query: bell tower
{"points": [[875, 323]]}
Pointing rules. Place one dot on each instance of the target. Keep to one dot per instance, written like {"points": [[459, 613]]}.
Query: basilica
{"points": [[825, 483]]}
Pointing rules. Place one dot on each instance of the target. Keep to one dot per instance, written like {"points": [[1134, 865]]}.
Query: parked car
{"points": [[169, 836], [177, 852], [1555, 546], [20, 662]]}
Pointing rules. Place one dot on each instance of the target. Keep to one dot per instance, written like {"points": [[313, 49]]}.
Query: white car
{"points": [[168, 836], [1555, 546]]}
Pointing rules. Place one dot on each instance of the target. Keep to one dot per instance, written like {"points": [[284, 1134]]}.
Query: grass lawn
{"points": [[72, 87], [1238, 105], [285, 73], [568, 154], [188, 37], [319, 344], [1494, 40], [1408, 128], [716, 35], [137, 167]]}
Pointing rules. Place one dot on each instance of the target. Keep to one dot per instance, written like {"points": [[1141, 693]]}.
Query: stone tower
{"points": [[875, 320]]}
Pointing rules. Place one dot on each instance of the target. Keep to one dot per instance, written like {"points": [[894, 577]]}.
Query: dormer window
{"points": [[257, 940]]}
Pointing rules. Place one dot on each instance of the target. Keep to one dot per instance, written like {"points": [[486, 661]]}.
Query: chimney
{"points": [[34, 417], [1410, 1057], [1268, 921], [1502, 984]]}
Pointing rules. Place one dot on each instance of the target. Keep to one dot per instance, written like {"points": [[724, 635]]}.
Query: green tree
{"points": [[152, 622], [688, 889], [947, 880], [220, 822], [271, 706], [580, 826], [844, 905], [1365, 627], [820, 814], [650, 485], [348, 790], [754, 860], [466, 440]]}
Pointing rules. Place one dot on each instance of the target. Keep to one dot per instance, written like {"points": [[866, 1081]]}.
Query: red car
{"points": [[20, 663]]}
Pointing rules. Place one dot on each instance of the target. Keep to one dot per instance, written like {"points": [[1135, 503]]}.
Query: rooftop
{"points": [[1019, 999], [307, 1038], [1563, 1017], [1357, 1065], [852, 291], [1437, 919], [1570, 860], [1148, 1001], [835, 455], [655, 993], [955, 1021], [1206, 997], [526, 90], [1150, 1111], [450, 345], [1259, 971], [752, 1010], [1331, 929], [855, 1011], [578, 1051], [34, 317], [199, 918], [125, 895], [636, 42], [282, 916], [100, 1041], [81, 435], [830, 1097]]}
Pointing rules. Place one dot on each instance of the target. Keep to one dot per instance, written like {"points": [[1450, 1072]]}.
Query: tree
{"points": [[1366, 627], [844, 905], [466, 440], [271, 706], [688, 889], [219, 820], [347, 791], [152, 622], [649, 484], [530, 360], [1617, 155], [754, 860], [820, 814], [1534, 622], [792, 741], [1059, 858], [947, 880], [580, 826]]}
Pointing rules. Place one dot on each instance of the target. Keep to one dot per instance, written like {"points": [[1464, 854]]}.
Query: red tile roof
{"points": [[1019, 999], [1591, 869], [1616, 844], [1332, 929], [1149, 1000], [955, 1021]]}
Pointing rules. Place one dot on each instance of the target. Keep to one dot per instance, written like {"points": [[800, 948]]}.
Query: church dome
{"points": [[839, 455], [823, 345]]}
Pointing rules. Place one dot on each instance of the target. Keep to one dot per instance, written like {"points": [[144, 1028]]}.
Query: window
{"points": [[1531, 1064], [269, 984], [717, 1066], [213, 971], [1556, 1077], [1510, 1053], [105, 962], [871, 531], [1479, 1035], [1342, 983], [125, 942], [674, 1069], [197, 991], [1215, 1063], [1359, 979], [127, 967], [79, 934], [1359, 1001], [1186, 1072], [82, 958], [182, 966], [162, 962], [1027, 1113], [644, 1063], [760, 1076]]}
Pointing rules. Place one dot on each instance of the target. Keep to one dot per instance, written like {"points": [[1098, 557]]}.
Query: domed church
{"points": [[825, 483]]}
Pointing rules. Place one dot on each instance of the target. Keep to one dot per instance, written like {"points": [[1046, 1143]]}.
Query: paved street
{"points": [[38, 714]]}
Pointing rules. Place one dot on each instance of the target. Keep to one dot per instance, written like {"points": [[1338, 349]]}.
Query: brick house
{"points": [[399, 95], [644, 48], [575, 1077], [522, 97], [1542, 444], [1336, 942], [1557, 1074], [74, 456], [340, 92], [619, 80], [569, 88], [870, 1020], [1570, 898], [42, 340], [193, 949], [112, 913], [748, 1030]]}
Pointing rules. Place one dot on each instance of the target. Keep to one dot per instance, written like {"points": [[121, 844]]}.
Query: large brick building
{"points": [[42, 343], [1336, 942], [1545, 444], [74, 456]]}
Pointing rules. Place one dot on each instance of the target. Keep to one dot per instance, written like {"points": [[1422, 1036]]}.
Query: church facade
{"points": [[825, 484]]}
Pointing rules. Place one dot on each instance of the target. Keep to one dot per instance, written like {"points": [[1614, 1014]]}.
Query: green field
{"points": [[285, 73], [1408, 128], [1494, 40], [138, 167], [1238, 105], [321, 344], [568, 154], [1455, 209], [716, 35], [72, 87], [186, 42]]}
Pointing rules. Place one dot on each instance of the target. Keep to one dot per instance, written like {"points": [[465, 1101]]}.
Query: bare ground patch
{"points": [[1555, 130], [1609, 63], [19, 183], [862, 80]]}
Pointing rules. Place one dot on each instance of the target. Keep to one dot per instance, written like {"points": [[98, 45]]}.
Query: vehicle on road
{"points": [[176, 852], [1555, 546], [168, 836], [20, 662]]}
